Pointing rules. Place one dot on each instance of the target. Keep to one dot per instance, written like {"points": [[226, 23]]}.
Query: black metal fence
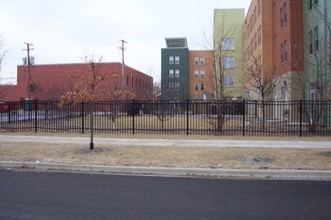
{"points": [[244, 117]]}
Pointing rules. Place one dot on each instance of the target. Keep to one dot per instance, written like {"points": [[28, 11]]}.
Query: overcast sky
{"points": [[64, 31]]}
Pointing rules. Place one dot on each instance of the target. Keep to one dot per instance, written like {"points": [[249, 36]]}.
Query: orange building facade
{"points": [[201, 74], [273, 43], [257, 37], [50, 82]]}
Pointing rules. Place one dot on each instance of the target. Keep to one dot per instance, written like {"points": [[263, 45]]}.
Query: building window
{"points": [[259, 35], [196, 60], [177, 87], [275, 40], [171, 73], [177, 60], [285, 13], [311, 42], [281, 17], [283, 52], [312, 3], [202, 87], [316, 41], [171, 86], [228, 44], [228, 62], [228, 80], [196, 87], [171, 60], [202, 60], [177, 73], [196, 74], [258, 7], [202, 74]]}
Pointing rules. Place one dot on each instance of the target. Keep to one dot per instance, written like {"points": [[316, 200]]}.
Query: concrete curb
{"points": [[178, 172]]}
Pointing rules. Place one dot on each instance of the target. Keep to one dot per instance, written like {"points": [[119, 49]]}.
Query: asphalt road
{"points": [[49, 195]]}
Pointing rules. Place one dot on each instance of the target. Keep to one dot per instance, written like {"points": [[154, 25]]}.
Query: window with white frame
{"points": [[177, 73], [202, 61], [177, 86], [196, 60], [171, 73], [171, 60], [228, 80], [196, 74], [171, 86], [228, 44], [177, 60], [202, 87], [196, 87], [202, 74], [228, 62]]}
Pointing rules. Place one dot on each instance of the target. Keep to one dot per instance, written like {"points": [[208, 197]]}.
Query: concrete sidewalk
{"points": [[169, 142], [166, 171]]}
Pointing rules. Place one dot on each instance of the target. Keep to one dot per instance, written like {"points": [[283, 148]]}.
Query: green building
{"points": [[228, 53], [175, 70], [317, 33], [317, 40]]}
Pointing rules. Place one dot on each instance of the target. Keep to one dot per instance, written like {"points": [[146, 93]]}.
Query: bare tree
{"points": [[260, 83], [87, 89], [223, 62], [3, 53]]}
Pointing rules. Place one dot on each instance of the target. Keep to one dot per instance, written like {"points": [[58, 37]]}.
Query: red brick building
{"points": [[50, 82], [288, 48]]}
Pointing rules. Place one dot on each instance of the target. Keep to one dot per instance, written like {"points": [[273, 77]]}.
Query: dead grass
{"points": [[190, 157]]}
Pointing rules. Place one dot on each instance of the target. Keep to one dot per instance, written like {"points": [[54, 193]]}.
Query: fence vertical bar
{"points": [[300, 111], [35, 115], [244, 114], [187, 116], [9, 119], [83, 117], [133, 113]]}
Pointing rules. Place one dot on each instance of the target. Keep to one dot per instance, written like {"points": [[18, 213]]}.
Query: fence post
{"points": [[244, 114], [35, 115], [133, 113], [187, 116], [83, 117], [301, 110], [9, 119]]}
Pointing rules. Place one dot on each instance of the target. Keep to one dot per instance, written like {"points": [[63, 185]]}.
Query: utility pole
{"points": [[28, 48], [123, 70]]}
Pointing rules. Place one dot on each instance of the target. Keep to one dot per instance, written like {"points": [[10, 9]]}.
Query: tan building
{"points": [[201, 74], [228, 53]]}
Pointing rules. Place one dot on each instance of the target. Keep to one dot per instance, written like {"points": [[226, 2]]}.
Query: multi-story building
{"points": [[175, 69], [201, 78], [317, 41], [228, 53], [50, 82], [288, 47], [186, 74], [258, 47]]}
